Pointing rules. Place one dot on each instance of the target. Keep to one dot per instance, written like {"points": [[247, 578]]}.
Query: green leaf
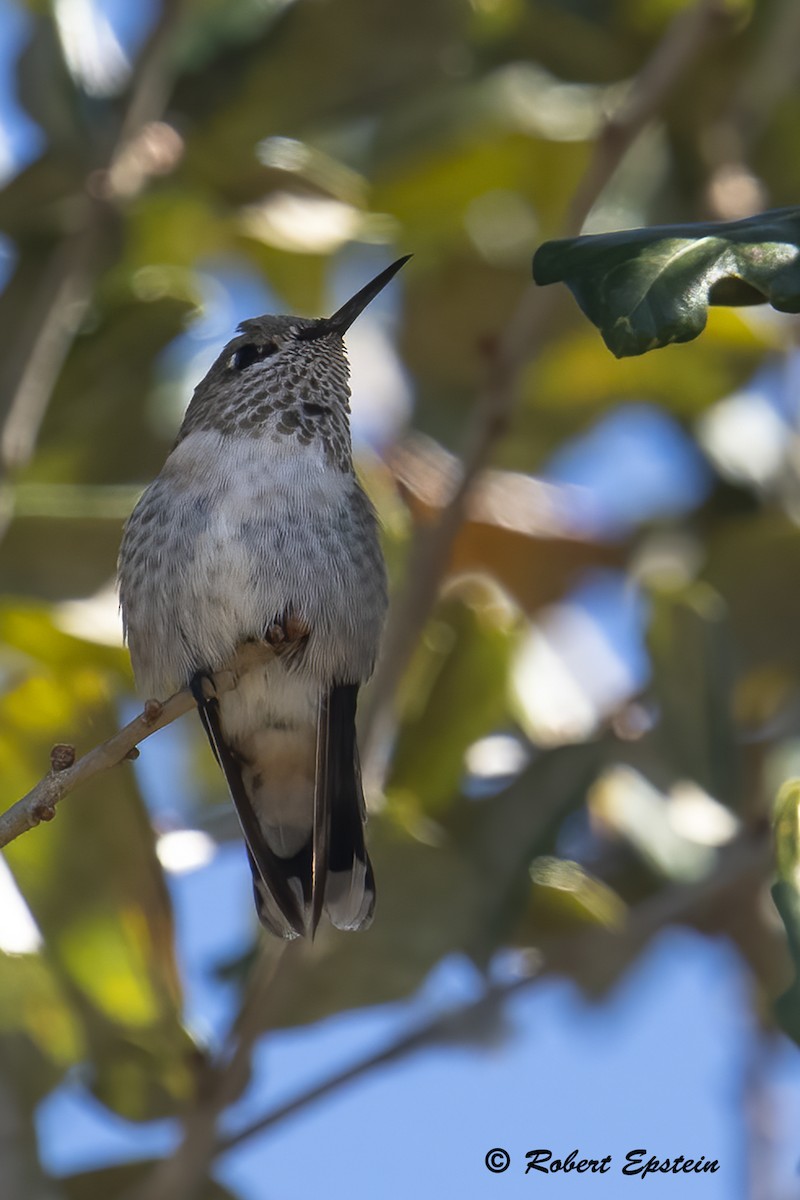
{"points": [[61, 556], [692, 652], [383, 55], [36, 1011], [456, 692], [91, 877], [787, 834], [432, 193], [753, 561], [98, 428], [786, 896], [566, 897], [645, 288]]}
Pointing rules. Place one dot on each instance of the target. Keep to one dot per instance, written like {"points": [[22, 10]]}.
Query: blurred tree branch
{"points": [[685, 40], [734, 190], [518, 344], [22, 1172], [455, 1025], [151, 81], [221, 1082], [66, 774], [72, 267]]}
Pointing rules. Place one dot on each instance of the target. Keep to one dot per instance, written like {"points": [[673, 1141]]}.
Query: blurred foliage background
{"points": [[578, 737]]}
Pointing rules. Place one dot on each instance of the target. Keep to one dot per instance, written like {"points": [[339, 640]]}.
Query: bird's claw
{"points": [[288, 630]]}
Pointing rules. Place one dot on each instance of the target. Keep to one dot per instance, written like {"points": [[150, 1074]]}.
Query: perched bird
{"points": [[257, 530]]}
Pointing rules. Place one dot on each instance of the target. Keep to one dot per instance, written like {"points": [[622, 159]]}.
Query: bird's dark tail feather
{"points": [[332, 870], [349, 894]]}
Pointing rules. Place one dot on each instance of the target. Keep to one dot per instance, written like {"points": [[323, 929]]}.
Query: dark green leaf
{"points": [[754, 563], [693, 670], [645, 288], [787, 1006], [786, 897]]}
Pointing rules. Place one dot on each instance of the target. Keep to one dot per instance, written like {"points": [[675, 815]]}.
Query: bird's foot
{"points": [[288, 630]]}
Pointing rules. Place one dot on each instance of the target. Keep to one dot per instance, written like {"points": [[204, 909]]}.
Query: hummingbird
{"points": [[257, 530]]}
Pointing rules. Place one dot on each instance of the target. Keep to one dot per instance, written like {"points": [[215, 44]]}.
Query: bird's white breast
{"points": [[254, 530]]}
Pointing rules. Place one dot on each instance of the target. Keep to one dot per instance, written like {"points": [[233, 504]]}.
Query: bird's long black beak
{"points": [[344, 317]]}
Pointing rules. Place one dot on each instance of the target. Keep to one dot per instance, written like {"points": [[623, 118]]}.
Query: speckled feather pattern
{"points": [[231, 536], [256, 512], [302, 393]]}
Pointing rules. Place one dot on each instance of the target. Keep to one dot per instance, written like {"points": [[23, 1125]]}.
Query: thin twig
{"points": [[595, 958], [40, 802], [152, 79], [68, 279], [519, 344], [734, 188], [441, 1028], [183, 1175], [63, 298], [771, 74], [686, 38], [233, 1070]]}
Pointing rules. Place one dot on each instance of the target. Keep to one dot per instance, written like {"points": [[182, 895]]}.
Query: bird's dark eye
{"points": [[251, 353]]}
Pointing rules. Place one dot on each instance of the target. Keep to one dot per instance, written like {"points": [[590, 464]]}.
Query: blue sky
{"points": [[664, 1062]]}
